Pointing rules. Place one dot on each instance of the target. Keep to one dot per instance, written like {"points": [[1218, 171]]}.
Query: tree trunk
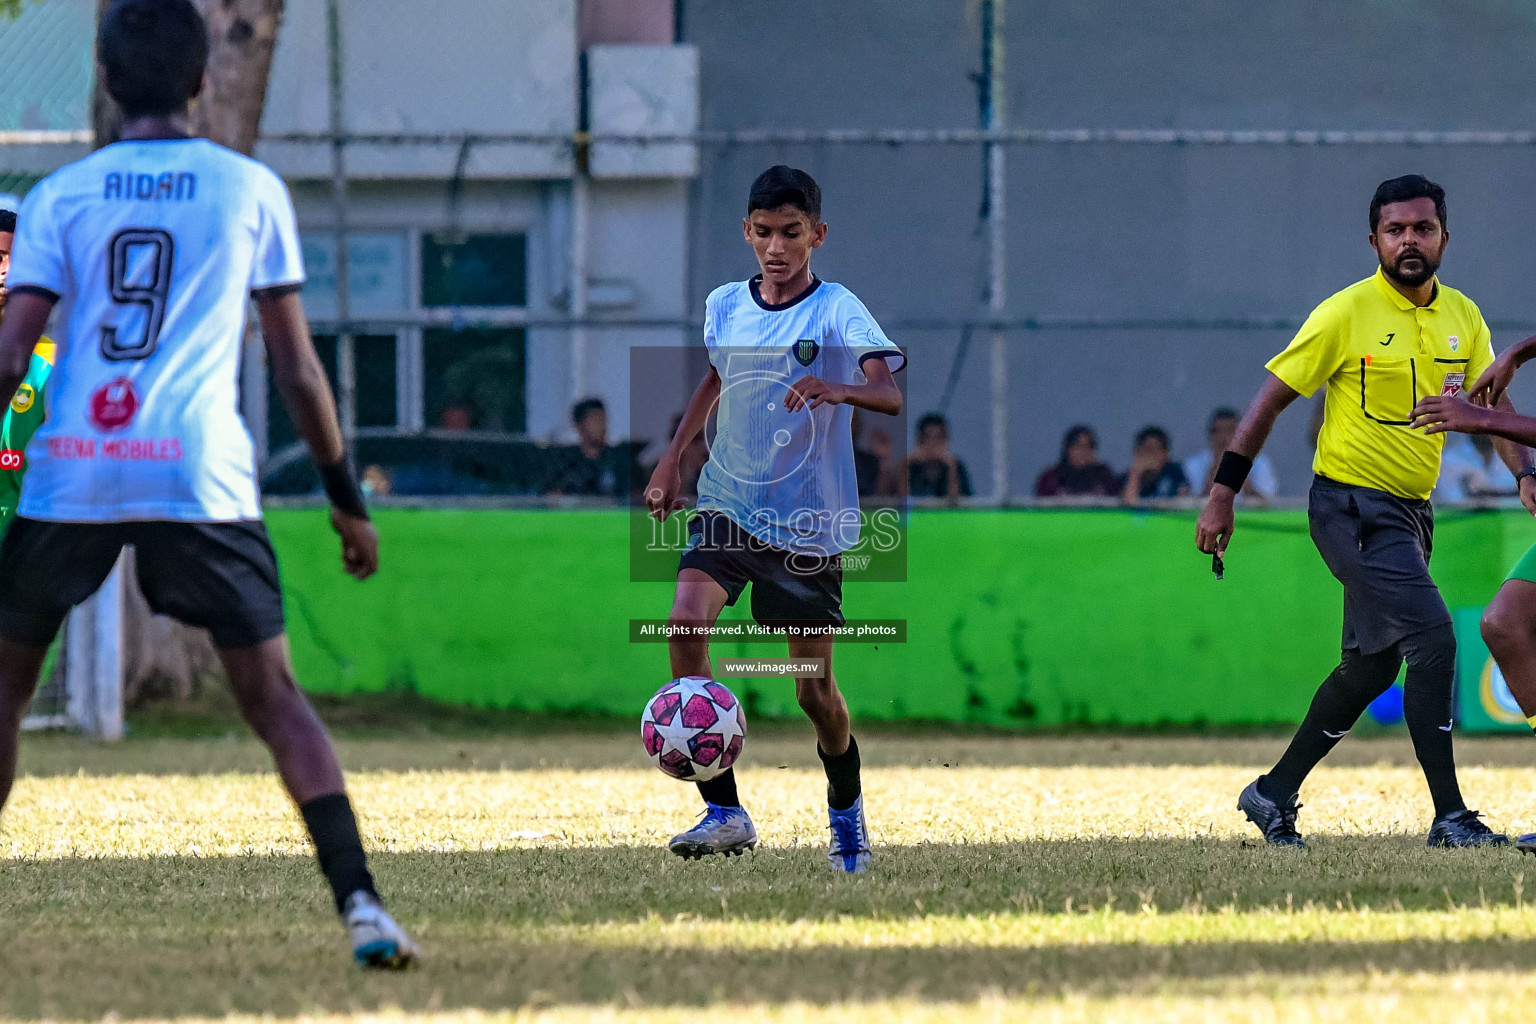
{"points": [[241, 37], [162, 658]]}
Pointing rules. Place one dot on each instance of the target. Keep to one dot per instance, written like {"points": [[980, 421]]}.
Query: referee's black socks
{"points": [[339, 847], [1339, 703], [1427, 698], [1349, 690], [843, 785]]}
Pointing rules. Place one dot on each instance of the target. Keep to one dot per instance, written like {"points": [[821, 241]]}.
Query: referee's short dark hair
{"points": [[154, 53], [1153, 434], [580, 410], [781, 185], [1400, 190], [8, 221]]}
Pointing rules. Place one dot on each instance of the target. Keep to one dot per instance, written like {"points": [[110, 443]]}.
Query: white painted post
{"points": [[997, 281], [93, 666], [581, 214]]}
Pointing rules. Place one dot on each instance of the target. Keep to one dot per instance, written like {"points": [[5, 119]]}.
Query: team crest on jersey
{"points": [[114, 405], [805, 351], [1455, 342], [25, 396]]}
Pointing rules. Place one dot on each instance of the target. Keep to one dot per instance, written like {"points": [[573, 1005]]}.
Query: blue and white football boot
{"points": [[726, 830], [850, 851], [377, 941]]}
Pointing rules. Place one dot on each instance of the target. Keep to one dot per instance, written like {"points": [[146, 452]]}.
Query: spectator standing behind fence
{"points": [[933, 471], [1153, 474], [1200, 468], [1079, 473], [594, 467]]}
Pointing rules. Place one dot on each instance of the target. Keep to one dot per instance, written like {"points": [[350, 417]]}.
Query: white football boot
{"points": [[377, 941], [849, 852], [727, 830]]}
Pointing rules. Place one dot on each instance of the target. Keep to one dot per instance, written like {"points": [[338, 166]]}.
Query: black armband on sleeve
{"points": [[1233, 471], [277, 291], [38, 290], [342, 489]]}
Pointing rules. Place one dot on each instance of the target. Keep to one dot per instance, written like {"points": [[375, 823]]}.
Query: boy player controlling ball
{"points": [[790, 356]]}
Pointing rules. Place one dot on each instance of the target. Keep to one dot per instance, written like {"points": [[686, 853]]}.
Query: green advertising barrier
{"points": [[1014, 618], [1483, 700]]}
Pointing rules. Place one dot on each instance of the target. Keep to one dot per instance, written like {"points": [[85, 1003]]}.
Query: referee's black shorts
{"points": [[221, 577], [1377, 545]]}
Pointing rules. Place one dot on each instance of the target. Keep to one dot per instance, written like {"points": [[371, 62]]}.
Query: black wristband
{"points": [[341, 487], [1233, 471]]}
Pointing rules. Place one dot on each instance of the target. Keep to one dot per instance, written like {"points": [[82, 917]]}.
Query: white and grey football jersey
{"points": [[787, 478], [153, 249]]}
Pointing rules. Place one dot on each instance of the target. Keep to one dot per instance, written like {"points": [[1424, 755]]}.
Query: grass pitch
{"points": [[1078, 879]]}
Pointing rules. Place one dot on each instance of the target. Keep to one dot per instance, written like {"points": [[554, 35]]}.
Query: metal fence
{"points": [[436, 396]]}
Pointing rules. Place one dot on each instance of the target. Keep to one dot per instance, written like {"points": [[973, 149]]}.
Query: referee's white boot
{"points": [[723, 830], [377, 941]]}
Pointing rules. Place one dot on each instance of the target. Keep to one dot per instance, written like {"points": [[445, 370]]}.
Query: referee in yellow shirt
{"points": [[1379, 345]]}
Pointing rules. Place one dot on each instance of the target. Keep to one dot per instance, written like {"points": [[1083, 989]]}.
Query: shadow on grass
{"points": [[181, 936], [601, 746]]}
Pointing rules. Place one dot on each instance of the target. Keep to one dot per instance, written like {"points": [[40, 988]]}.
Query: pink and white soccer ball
{"points": [[693, 728]]}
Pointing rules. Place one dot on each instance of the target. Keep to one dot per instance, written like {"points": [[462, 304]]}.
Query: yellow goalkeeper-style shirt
{"points": [[1379, 354]]}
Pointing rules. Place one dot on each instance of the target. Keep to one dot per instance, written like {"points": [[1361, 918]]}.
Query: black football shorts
{"points": [[221, 577], [787, 588]]}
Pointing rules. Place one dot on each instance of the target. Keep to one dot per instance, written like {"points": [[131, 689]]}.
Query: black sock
{"points": [[721, 789], [1339, 703], [1427, 695], [843, 786], [333, 828]]}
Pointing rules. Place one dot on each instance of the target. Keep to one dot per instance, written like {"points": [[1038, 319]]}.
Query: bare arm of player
{"points": [[879, 393], [300, 380], [26, 317], [1214, 530], [1488, 389], [667, 479], [1517, 456], [1512, 433]]}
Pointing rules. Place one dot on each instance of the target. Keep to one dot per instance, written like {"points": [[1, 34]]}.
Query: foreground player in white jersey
{"points": [[790, 357], [151, 248]]}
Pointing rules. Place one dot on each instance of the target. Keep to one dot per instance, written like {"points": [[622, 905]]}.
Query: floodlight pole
{"points": [[346, 360], [993, 99]]}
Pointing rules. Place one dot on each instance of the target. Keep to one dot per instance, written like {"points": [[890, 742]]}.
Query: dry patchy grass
{"points": [[1056, 880]]}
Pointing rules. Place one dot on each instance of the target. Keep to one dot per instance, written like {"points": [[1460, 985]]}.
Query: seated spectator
{"points": [[376, 482], [933, 471], [1079, 472], [1471, 469], [874, 463], [1152, 474], [1200, 468], [594, 466]]}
